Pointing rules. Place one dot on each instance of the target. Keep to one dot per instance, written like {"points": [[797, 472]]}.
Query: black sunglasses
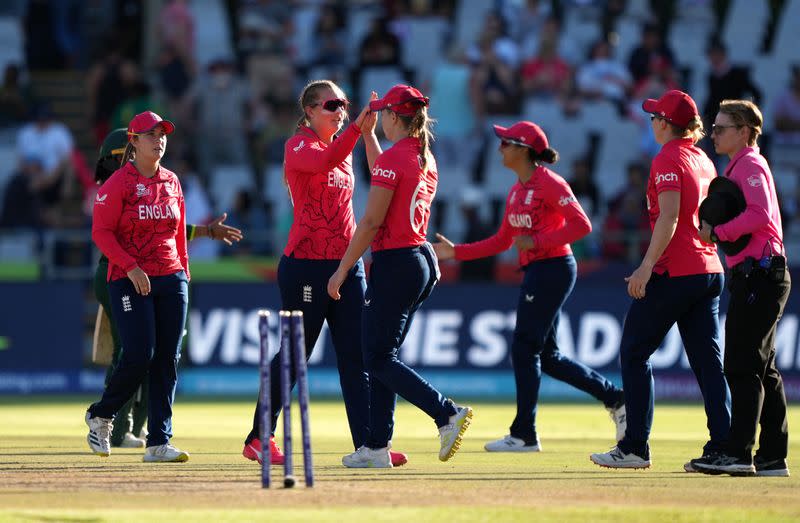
{"points": [[333, 105]]}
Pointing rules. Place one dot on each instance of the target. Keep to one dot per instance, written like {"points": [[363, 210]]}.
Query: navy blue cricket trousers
{"points": [[693, 303], [399, 281], [545, 288], [304, 286], [151, 329]]}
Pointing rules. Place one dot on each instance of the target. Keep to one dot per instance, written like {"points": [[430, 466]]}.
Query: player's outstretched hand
{"points": [[140, 280], [224, 233], [637, 282], [335, 283], [367, 119], [444, 248]]}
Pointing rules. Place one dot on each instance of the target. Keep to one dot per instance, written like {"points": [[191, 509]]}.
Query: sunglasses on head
{"points": [[333, 105]]}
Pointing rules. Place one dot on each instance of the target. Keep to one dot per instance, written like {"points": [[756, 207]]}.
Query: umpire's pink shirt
{"points": [[762, 217]]}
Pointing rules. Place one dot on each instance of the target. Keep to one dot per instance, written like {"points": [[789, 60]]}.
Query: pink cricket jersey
{"points": [[762, 217], [400, 169], [681, 166], [320, 178], [141, 221], [544, 208]]}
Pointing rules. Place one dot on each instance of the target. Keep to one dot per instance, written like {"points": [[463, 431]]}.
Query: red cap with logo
{"points": [[147, 121], [402, 99], [674, 106], [526, 134]]}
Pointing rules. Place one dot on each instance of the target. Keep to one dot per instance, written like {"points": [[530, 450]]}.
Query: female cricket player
{"points": [[542, 218], [759, 289], [319, 174], [679, 281], [129, 421], [139, 223], [403, 274]]}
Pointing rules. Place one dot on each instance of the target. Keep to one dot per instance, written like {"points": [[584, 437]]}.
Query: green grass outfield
{"points": [[48, 474]]}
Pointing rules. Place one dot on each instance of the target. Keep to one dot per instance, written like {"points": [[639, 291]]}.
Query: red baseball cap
{"points": [[147, 121], [526, 134], [674, 106], [402, 99]]}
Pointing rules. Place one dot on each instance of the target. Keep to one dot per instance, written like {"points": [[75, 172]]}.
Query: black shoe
{"points": [[774, 468], [706, 458], [724, 464]]}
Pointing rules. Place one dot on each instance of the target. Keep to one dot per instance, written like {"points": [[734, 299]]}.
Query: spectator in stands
{"points": [[651, 55], [627, 226], [176, 30], [785, 149], [22, 204], [175, 75], [584, 187], [551, 33], [138, 100], [50, 142], [265, 26], [249, 212], [219, 105], [726, 81], [380, 47], [477, 229], [526, 18], [603, 77], [330, 37], [108, 81], [15, 98], [546, 75], [495, 59]]}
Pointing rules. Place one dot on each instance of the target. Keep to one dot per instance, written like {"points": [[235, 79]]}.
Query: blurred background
{"points": [[228, 73]]}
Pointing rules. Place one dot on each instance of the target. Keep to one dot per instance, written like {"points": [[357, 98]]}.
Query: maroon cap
{"points": [[402, 99], [674, 106], [147, 121], [524, 133]]}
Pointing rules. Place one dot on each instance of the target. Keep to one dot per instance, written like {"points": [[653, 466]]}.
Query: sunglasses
{"points": [[719, 129], [505, 142], [333, 105]]}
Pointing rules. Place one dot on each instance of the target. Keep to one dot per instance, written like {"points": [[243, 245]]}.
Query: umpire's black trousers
{"points": [[756, 304]]}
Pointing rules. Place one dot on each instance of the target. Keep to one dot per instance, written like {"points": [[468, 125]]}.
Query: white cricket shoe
{"points": [[367, 458], [450, 434], [620, 419], [616, 459], [165, 453], [129, 441], [99, 437], [509, 443]]}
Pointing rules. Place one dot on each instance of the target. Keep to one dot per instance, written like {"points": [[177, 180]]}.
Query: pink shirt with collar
{"points": [[762, 217]]}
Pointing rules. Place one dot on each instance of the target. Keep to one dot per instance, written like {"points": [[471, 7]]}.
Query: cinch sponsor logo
{"points": [[520, 220], [157, 212], [667, 177], [340, 180], [384, 173]]}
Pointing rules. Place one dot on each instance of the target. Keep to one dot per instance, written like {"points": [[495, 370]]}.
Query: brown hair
{"points": [[129, 154], [744, 113], [694, 129], [309, 96], [549, 155], [419, 126]]}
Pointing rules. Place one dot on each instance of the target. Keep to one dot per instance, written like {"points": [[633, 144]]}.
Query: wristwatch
{"points": [[714, 237]]}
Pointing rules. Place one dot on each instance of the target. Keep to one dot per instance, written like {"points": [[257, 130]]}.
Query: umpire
{"points": [[759, 288]]}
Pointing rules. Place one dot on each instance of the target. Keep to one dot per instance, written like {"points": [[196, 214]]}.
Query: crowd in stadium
{"points": [[228, 72]]}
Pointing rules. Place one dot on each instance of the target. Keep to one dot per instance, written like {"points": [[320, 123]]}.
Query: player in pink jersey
{"points": [[679, 281], [403, 273], [319, 174], [759, 288], [542, 217], [139, 223]]}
